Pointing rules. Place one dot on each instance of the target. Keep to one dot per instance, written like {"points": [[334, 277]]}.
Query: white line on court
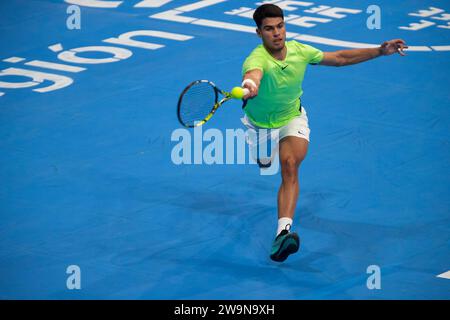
{"points": [[445, 275]]}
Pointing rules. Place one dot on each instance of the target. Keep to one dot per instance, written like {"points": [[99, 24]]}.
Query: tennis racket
{"points": [[200, 100]]}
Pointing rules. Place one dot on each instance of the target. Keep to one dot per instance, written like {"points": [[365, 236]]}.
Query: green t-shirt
{"points": [[278, 99]]}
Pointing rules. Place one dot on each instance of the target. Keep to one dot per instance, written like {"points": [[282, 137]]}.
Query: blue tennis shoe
{"points": [[284, 244]]}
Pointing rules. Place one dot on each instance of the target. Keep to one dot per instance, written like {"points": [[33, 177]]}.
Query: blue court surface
{"points": [[93, 205]]}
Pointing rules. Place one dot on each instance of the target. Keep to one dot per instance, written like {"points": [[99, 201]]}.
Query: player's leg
{"points": [[292, 152], [293, 146]]}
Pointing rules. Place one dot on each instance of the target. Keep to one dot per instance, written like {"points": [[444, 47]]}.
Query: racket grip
{"points": [[246, 91]]}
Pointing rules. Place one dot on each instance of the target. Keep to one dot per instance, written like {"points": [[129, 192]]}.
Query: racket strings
{"points": [[197, 102]]}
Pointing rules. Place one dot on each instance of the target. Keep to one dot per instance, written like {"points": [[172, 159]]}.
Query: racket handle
{"points": [[246, 91]]}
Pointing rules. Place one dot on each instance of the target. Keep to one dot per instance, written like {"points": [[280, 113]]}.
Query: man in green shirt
{"points": [[273, 73]]}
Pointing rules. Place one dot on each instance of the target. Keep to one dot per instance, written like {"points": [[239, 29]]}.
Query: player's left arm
{"points": [[348, 57]]}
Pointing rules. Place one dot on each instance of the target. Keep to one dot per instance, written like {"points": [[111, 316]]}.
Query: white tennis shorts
{"points": [[264, 143], [297, 127]]}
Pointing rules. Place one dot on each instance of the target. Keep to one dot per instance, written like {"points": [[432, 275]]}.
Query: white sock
{"points": [[284, 223]]}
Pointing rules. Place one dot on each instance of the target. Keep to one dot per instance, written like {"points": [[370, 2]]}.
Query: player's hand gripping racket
{"points": [[200, 99]]}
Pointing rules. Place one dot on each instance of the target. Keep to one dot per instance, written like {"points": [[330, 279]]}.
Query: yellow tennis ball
{"points": [[237, 93]]}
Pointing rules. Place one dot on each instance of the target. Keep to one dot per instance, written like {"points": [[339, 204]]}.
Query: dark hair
{"points": [[267, 10]]}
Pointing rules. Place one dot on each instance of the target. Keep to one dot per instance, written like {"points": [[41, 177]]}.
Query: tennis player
{"points": [[273, 73]]}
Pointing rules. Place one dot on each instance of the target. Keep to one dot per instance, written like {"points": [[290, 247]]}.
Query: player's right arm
{"points": [[251, 81]]}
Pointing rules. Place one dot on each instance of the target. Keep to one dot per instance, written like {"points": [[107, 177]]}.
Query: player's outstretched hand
{"points": [[393, 46]]}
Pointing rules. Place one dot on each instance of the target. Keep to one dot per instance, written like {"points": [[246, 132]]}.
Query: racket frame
{"points": [[217, 90]]}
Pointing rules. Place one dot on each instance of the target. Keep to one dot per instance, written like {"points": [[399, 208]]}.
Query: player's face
{"points": [[273, 33]]}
